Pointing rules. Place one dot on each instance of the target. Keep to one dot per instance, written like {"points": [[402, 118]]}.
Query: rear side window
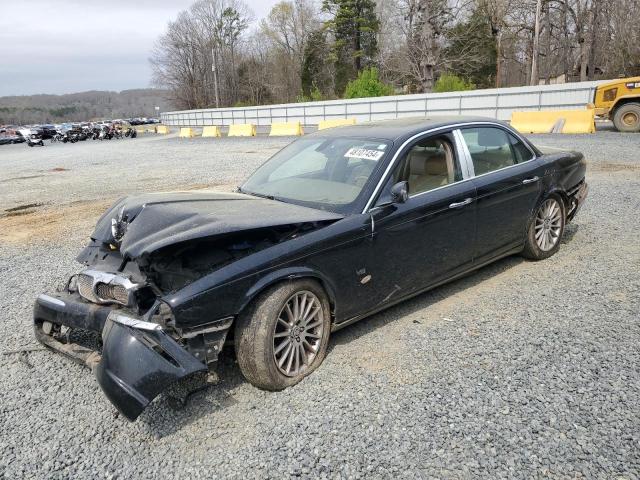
{"points": [[493, 149]]}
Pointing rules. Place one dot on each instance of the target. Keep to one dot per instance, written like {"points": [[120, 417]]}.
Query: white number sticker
{"points": [[364, 153]]}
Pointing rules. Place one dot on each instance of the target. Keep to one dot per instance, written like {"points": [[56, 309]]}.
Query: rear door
{"points": [[507, 177]]}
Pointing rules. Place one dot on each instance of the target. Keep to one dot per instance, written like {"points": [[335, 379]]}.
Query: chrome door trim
{"points": [[464, 203]]}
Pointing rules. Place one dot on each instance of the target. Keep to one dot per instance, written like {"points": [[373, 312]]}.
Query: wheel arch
{"points": [[287, 275], [559, 192], [623, 101]]}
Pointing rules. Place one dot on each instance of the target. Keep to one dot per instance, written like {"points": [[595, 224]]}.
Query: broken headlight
{"points": [[161, 314], [103, 287]]}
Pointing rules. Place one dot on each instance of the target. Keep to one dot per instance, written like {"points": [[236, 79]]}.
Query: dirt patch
{"points": [[614, 167], [50, 224], [26, 177], [28, 223], [23, 207]]}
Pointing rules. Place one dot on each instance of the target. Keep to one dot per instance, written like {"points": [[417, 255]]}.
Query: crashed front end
{"points": [[165, 276], [142, 352]]}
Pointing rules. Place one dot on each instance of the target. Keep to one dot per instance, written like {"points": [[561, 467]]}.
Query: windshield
{"points": [[324, 173]]}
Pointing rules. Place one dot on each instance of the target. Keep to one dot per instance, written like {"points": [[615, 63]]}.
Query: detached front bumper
{"points": [[139, 359]]}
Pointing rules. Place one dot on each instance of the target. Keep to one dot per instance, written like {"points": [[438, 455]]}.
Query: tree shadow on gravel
{"points": [[569, 232]]}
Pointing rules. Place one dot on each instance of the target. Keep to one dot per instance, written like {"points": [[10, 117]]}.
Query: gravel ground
{"points": [[520, 370]]}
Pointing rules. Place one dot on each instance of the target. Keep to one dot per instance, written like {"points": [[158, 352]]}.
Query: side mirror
{"points": [[400, 192]]}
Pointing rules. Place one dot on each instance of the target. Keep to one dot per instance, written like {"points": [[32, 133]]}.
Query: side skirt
{"points": [[349, 321]]}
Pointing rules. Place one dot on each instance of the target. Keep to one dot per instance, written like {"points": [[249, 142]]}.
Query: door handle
{"points": [[530, 180], [466, 201]]}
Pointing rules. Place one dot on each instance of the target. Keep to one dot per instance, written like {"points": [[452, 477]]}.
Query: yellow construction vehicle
{"points": [[619, 101]]}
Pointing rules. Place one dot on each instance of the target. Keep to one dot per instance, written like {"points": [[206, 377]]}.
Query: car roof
{"points": [[400, 128]]}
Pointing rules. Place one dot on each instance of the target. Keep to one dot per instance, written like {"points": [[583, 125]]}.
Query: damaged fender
{"points": [[140, 361]]}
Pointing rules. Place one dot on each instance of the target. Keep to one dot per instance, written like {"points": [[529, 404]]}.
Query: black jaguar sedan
{"points": [[336, 226]]}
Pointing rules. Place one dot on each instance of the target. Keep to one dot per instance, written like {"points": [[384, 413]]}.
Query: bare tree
{"points": [[536, 44], [196, 58], [497, 12], [286, 30], [209, 57]]}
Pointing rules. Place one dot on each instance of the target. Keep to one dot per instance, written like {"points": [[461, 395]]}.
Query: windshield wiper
{"points": [[254, 194]]}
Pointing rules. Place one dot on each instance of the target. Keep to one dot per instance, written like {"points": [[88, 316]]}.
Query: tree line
{"points": [[211, 55], [84, 106]]}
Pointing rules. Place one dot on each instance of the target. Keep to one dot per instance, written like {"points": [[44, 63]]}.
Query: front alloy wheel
{"points": [[297, 334], [283, 335]]}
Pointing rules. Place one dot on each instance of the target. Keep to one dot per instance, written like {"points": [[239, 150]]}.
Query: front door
{"points": [[430, 237]]}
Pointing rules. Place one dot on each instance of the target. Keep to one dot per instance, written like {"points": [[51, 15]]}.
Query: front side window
{"points": [[493, 148], [428, 164], [325, 173]]}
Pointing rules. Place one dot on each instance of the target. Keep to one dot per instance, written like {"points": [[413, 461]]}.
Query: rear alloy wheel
{"points": [[545, 230], [283, 335], [627, 118]]}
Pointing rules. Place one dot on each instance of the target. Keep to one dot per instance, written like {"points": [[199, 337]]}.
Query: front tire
{"points": [[545, 229], [627, 118], [283, 335]]}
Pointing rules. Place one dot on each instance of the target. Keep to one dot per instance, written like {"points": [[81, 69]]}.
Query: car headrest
{"points": [[436, 164], [491, 137], [417, 160], [423, 161]]}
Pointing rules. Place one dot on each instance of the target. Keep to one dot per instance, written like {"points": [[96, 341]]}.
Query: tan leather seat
{"points": [[427, 170]]}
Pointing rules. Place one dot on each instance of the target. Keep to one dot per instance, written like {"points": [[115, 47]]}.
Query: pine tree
{"points": [[354, 25], [315, 65], [472, 50]]}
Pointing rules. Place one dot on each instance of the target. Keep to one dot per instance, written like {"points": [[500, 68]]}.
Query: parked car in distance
{"points": [[338, 225], [10, 139], [47, 131]]}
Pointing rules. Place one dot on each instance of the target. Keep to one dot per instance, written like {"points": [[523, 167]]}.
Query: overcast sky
{"points": [[66, 46]]}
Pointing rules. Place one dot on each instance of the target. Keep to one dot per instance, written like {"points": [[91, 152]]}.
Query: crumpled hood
{"points": [[148, 222]]}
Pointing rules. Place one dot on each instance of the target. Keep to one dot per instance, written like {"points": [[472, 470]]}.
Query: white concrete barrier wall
{"points": [[495, 103]]}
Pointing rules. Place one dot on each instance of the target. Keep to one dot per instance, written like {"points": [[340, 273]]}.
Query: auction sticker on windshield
{"points": [[365, 153]]}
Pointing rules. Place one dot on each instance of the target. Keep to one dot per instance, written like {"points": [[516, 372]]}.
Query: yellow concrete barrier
{"points": [[211, 131], [242, 130], [555, 121], [281, 129], [162, 129], [139, 130], [186, 132], [338, 122]]}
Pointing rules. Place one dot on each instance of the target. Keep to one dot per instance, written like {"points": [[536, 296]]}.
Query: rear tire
{"points": [[277, 344], [545, 229], [627, 118]]}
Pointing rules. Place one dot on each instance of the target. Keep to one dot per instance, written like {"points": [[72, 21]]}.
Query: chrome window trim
{"points": [[465, 155], [440, 188], [507, 131], [453, 127]]}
